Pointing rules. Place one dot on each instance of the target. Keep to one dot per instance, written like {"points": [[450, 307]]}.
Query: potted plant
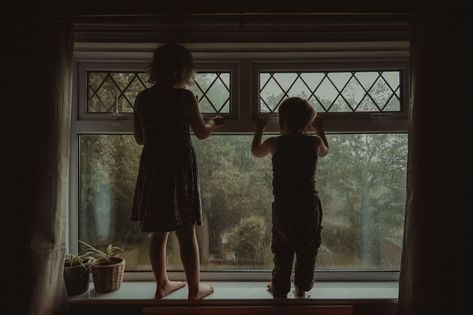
{"points": [[76, 273], [108, 268]]}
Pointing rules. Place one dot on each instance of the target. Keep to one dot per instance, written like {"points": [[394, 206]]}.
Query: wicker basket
{"points": [[108, 277]]}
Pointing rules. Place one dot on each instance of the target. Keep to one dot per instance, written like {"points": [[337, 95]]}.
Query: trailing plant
{"points": [[71, 260], [107, 255]]}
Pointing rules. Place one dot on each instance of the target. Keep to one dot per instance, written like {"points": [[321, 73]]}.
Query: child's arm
{"points": [[137, 131], [322, 147], [259, 149], [200, 128]]}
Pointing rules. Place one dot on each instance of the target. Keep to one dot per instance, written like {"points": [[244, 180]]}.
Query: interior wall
{"points": [[144, 7], [359, 309]]}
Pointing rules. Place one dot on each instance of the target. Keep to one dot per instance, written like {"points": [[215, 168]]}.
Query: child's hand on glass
{"points": [[218, 120], [260, 123]]}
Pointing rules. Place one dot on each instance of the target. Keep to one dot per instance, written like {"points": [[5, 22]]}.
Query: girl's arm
{"points": [[322, 147], [137, 131], [259, 149], [200, 128]]}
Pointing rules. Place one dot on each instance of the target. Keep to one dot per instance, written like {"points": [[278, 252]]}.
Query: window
{"points": [[361, 182], [112, 89], [356, 91]]}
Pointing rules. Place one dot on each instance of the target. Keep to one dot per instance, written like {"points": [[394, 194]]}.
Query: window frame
{"points": [[244, 67], [86, 67], [350, 122]]}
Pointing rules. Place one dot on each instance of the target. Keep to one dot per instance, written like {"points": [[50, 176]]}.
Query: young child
{"points": [[167, 196], [297, 212]]}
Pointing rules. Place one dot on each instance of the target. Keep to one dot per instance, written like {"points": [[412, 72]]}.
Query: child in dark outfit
{"points": [[297, 211]]}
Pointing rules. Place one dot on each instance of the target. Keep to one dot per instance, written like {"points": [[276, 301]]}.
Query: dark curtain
{"points": [[436, 276], [35, 159]]}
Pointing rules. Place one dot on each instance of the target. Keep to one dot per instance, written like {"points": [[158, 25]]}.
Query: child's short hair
{"points": [[172, 64], [296, 114]]}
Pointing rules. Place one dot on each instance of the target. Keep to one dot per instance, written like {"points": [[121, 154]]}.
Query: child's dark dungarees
{"points": [[297, 213]]}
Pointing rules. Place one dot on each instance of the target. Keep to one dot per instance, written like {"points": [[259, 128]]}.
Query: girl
{"points": [[167, 196]]}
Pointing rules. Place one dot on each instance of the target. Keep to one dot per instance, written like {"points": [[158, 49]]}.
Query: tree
{"points": [[249, 240]]}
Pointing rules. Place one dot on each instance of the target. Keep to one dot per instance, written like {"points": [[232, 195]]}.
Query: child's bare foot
{"points": [[298, 293], [204, 290], [168, 287], [269, 286]]}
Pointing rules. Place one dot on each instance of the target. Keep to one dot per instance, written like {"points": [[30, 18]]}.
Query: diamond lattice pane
{"points": [[271, 95], [132, 90], [339, 79], [316, 104], [96, 105], [218, 94], [381, 93], [312, 79], [393, 105], [117, 91], [95, 79], [285, 79], [353, 93], [367, 78], [206, 107], [205, 79], [367, 105], [212, 90], [326, 93], [299, 89], [392, 78], [107, 93], [144, 77], [340, 105], [337, 91], [122, 79]]}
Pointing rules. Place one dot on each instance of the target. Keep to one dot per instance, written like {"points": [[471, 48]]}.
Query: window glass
{"points": [[361, 185], [116, 91], [355, 91]]}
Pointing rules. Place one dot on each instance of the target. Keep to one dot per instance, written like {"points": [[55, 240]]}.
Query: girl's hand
{"points": [[260, 123], [218, 120]]}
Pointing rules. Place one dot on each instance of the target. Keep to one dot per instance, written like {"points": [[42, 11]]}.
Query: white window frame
{"points": [[85, 67], [244, 61], [351, 122]]}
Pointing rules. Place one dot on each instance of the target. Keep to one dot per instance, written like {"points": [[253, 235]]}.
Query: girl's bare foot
{"points": [[168, 287], [204, 290]]}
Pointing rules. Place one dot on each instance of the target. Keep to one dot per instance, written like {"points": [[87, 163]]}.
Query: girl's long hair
{"points": [[172, 64]]}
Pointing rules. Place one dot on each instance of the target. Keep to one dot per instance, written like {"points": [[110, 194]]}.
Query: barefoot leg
{"points": [[298, 293], [189, 249], [157, 254]]}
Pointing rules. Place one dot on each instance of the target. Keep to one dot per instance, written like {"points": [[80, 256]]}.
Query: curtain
{"points": [[436, 277], [35, 157]]}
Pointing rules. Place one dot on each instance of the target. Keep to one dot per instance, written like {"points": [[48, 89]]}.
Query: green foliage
{"points": [[249, 239], [107, 255], [84, 260]]}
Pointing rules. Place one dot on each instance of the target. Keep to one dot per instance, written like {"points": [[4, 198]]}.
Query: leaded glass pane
{"points": [[110, 92], [336, 91]]}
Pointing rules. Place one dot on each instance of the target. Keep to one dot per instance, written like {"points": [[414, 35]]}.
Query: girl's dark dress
{"points": [[167, 192]]}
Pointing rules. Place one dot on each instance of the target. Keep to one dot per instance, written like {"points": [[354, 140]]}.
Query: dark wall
{"points": [[85, 7], [359, 309]]}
